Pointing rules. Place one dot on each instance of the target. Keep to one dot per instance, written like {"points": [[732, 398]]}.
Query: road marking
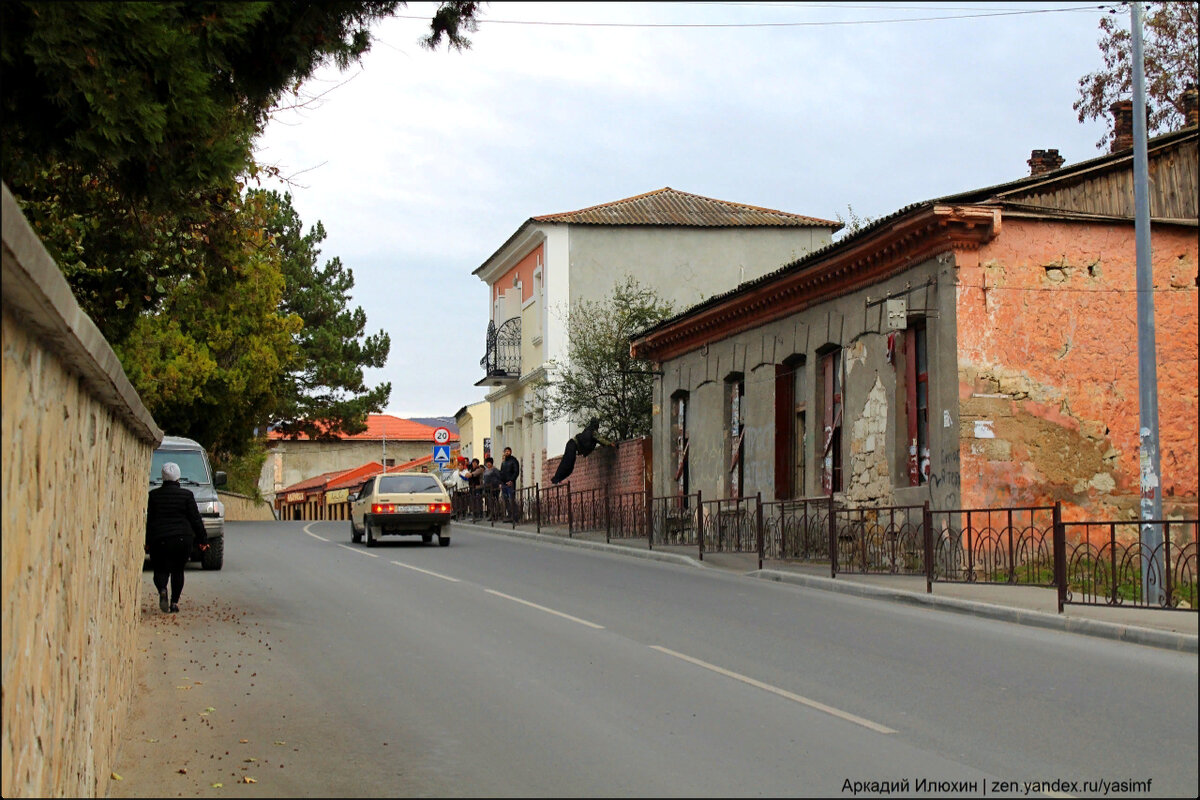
{"points": [[310, 533], [427, 572], [356, 550], [866, 723], [543, 608]]}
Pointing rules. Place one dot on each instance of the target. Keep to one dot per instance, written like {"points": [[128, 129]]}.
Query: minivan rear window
{"points": [[408, 484]]}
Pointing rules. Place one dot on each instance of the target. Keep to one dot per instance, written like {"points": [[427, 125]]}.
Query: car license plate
{"points": [[409, 509]]}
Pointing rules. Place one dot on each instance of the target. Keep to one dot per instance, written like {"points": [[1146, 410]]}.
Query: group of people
{"points": [[487, 482]]}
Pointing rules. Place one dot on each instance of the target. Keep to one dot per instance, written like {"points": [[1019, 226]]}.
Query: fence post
{"points": [[700, 522], [759, 520], [650, 518], [1060, 555], [537, 491], [833, 553], [570, 513], [607, 528], [927, 522]]}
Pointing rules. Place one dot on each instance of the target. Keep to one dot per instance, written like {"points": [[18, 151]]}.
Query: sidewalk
{"points": [[1024, 605]]}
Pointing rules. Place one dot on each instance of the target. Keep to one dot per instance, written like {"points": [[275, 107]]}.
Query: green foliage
{"points": [[599, 378], [210, 363], [325, 396], [1170, 41], [854, 224], [244, 470]]}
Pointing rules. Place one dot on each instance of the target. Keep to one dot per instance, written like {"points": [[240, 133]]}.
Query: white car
{"points": [[401, 504]]}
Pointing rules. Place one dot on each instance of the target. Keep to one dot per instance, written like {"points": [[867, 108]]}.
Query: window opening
{"points": [[831, 412], [735, 390], [679, 442], [916, 360]]}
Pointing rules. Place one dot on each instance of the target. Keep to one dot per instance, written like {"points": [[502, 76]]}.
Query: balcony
{"points": [[502, 364]]}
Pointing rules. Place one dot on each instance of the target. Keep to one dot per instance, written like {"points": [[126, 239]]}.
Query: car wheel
{"points": [[214, 556], [371, 540], [355, 533], [426, 537], [443, 541]]}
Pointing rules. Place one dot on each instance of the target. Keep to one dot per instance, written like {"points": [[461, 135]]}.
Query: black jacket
{"points": [[510, 469], [172, 511]]}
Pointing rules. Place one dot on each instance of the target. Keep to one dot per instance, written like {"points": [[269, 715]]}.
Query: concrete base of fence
{"points": [[1171, 640]]}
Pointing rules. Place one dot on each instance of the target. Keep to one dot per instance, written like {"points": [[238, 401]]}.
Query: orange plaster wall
{"points": [[1047, 348], [523, 271]]}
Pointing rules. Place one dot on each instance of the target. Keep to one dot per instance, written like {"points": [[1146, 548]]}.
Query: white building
{"points": [[684, 246]]}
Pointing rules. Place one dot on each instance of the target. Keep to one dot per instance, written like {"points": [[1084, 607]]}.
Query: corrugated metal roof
{"points": [[669, 206]]}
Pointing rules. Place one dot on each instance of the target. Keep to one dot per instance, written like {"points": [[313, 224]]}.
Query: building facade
{"points": [[684, 246], [978, 350]]}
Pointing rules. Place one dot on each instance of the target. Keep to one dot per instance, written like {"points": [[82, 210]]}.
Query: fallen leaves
{"points": [[117, 777], [247, 779]]}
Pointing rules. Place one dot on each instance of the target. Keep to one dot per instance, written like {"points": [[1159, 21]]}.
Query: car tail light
{"points": [[383, 508], [439, 508]]}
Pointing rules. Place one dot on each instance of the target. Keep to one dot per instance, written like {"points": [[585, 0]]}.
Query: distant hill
{"points": [[436, 422]]}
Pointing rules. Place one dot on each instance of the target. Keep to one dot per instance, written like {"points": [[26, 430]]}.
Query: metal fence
{"points": [[1104, 564], [1022, 545]]}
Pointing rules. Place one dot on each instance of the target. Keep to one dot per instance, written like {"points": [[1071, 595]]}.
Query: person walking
{"points": [[510, 470], [172, 524]]}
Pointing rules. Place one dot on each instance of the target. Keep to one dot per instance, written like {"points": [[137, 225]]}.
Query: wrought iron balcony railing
{"points": [[502, 364]]}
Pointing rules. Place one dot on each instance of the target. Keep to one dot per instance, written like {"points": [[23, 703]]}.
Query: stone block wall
{"points": [[77, 445], [622, 469], [239, 507]]}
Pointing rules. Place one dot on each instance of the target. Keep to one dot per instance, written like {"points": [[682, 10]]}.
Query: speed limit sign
{"points": [[441, 435]]}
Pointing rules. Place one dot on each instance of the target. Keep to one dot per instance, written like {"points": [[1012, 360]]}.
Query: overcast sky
{"points": [[421, 164]]}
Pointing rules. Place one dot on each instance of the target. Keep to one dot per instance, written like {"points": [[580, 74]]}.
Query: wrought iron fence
{"points": [[555, 505], [1104, 565], [874, 540], [625, 516], [796, 529], [587, 510], [675, 520], [730, 525], [990, 545]]}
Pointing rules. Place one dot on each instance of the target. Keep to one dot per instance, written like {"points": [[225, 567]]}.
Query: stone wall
{"points": [[240, 508], [77, 445]]}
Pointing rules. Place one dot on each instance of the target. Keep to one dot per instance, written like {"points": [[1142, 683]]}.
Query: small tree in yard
{"points": [[599, 378]]}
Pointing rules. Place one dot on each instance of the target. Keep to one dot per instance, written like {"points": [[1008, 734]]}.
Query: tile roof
{"points": [[380, 426], [669, 206], [315, 482]]}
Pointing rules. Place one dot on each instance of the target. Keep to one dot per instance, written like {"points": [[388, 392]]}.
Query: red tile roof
{"points": [[380, 426], [669, 206], [315, 482]]}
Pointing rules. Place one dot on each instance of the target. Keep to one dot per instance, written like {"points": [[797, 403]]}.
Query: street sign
{"points": [[441, 453], [441, 435]]}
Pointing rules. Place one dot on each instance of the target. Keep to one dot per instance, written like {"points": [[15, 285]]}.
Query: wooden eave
{"points": [[892, 249]]}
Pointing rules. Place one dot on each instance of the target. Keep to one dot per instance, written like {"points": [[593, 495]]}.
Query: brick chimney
{"points": [[1191, 115], [1122, 112], [1042, 161]]}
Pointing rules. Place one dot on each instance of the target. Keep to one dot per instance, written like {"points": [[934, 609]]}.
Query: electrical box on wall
{"points": [[897, 313]]}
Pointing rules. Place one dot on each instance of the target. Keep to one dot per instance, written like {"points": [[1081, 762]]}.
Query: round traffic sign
{"points": [[441, 435]]}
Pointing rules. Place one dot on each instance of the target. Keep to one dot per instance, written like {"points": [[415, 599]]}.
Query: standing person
{"points": [[510, 470], [490, 481], [172, 519], [475, 487]]}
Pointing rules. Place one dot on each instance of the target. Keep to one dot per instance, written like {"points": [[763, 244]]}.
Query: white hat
{"points": [[170, 471]]}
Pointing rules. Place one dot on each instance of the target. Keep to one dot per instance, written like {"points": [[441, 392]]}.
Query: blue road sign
{"points": [[441, 453]]}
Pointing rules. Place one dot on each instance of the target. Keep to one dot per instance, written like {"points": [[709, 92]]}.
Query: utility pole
{"points": [[1151, 501], [385, 451]]}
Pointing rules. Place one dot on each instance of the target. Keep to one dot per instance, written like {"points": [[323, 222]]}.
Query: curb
{"points": [[1150, 637]]}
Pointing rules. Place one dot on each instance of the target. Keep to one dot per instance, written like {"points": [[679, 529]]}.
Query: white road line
{"points": [[310, 533], [543, 608], [356, 550], [866, 723], [427, 572]]}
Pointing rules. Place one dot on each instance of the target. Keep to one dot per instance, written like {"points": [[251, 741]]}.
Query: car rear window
{"points": [[408, 484]]}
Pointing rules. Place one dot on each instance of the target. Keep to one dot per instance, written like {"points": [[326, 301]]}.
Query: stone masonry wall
{"points": [[77, 445], [239, 507], [1048, 372]]}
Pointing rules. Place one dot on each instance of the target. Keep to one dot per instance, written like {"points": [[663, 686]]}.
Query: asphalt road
{"points": [[504, 667]]}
